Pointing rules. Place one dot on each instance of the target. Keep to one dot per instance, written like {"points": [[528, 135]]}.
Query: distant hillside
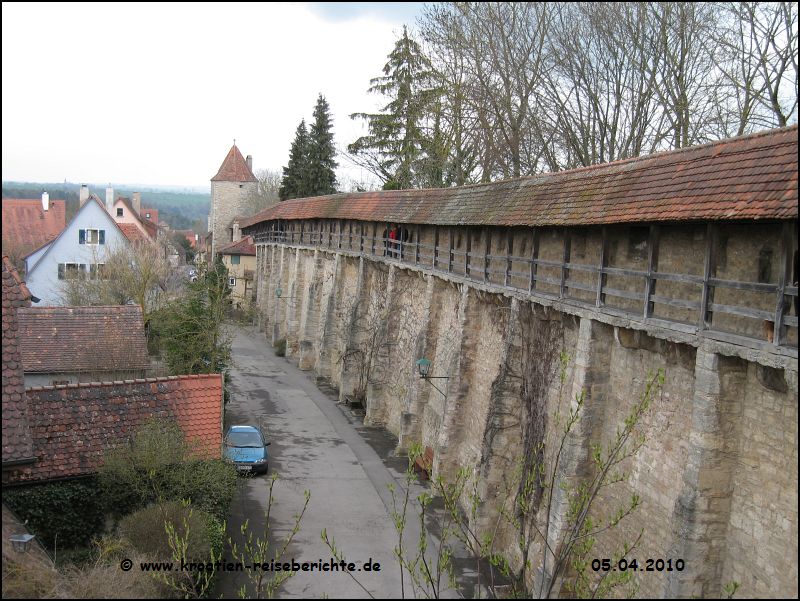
{"points": [[181, 210]]}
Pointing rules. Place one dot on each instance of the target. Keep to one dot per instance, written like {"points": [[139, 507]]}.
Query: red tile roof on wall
{"points": [[73, 426], [27, 225], [17, 444], [752, 177], [234, 169], [244, 246], [73, 339]]}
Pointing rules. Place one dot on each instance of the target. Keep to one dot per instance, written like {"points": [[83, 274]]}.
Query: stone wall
{"points": [[717, 471]]}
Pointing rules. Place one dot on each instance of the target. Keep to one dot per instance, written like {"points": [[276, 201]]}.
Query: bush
{"points": [[280, 347], [145, 531], [68, 513], [159, 465]]}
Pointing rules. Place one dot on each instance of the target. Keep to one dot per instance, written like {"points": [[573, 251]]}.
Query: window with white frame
{"points": [[71, 270], [231, 282], [91, 236]]}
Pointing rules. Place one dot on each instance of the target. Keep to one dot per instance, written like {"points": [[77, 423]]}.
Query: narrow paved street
{"points": [[316, 446]]}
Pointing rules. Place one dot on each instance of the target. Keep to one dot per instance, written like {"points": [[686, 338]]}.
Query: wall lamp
{"points": [[424, 368], [22, 542]]}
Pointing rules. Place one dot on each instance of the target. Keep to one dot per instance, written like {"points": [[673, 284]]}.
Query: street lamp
{"points": [[424, 368]]}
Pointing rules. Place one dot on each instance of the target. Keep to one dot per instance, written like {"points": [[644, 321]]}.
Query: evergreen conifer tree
{"points": [[293, 184], [320, 175], [397, 143]]}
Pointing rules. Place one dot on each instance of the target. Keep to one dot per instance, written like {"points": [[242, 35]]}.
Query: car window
{"points": [[245, 439]]}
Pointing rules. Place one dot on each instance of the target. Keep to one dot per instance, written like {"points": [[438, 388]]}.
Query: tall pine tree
{"points": [[293, 184], [320, 176], [397, 141]]}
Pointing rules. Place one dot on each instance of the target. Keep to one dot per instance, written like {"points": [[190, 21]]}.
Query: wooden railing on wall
{"points": [[479, 265]]}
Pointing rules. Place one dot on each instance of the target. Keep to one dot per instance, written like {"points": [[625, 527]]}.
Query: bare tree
{"points": [[758, 45], [129, 274], [265, 194]]}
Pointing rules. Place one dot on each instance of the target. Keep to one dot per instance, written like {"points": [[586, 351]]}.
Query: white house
{"points": [[81, 246]]}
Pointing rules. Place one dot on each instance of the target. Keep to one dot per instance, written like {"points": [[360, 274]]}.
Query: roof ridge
{"points": [[184, 377]]}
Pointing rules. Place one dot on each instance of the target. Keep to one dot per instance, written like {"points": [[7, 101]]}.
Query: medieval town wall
{"points": [[717, 472]]}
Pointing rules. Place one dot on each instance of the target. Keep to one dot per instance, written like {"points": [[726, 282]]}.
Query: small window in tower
{"points": [[119, 212], [241, 185]]}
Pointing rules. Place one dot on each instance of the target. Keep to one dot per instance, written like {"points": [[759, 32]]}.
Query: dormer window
{"points": [[119, 212], [147, 215]]}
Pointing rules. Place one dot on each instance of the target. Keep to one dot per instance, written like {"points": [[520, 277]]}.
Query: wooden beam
{"points": [[652, 267], [435, 245], [450, 251], [601, 276], [534, 258], [487, 250], [469, 250], [416, 252], [785, 267], [374, 235], [564, 260], [709, 271], [509, 253]]}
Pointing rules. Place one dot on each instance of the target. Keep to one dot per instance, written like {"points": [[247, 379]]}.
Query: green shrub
{"points": [[145, 530], [67, 513], [159, 465], [280, 347]]}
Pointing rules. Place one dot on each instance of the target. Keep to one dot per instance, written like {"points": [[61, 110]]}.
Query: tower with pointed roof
{"points": [[231, 188]]}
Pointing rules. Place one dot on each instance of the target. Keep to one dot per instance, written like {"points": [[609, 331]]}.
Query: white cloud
{"points": [[155, 93]]}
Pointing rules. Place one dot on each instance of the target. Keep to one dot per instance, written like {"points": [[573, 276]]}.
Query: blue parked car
{"points": [[246, 447]]}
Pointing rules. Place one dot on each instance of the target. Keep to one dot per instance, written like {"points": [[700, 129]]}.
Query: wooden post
{"points": [[534, 258], [709, 271], [435, 245], [416, 253], [601, 276], [450, 251], [652, 267], [341, 233], [785, 267], [564, 260], [469, 250], [487, 250], [509, 252]]}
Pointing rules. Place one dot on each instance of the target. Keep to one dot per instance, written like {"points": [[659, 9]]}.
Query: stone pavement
{"points": [[319, 446]]}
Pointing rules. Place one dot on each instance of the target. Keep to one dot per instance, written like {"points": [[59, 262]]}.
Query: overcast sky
{"points": [[156, 93]]}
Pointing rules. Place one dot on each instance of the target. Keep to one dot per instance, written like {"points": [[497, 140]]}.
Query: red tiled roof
{"points": [[17, 443], [73, 339], [153, 215], [133, 233], [234, 169], [27, 225], [242, 247], [188, 234], [73, 426], [752, 177]]}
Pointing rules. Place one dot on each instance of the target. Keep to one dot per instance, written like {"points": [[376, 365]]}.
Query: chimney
{"points": [[237, 233], [249, 161], [110, 200], [137, 202], [45, 201], [84, 194]]}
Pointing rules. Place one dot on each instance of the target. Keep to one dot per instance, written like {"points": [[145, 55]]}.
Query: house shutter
{"points": [[81, 236], [102, 236], [61, 270]]}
